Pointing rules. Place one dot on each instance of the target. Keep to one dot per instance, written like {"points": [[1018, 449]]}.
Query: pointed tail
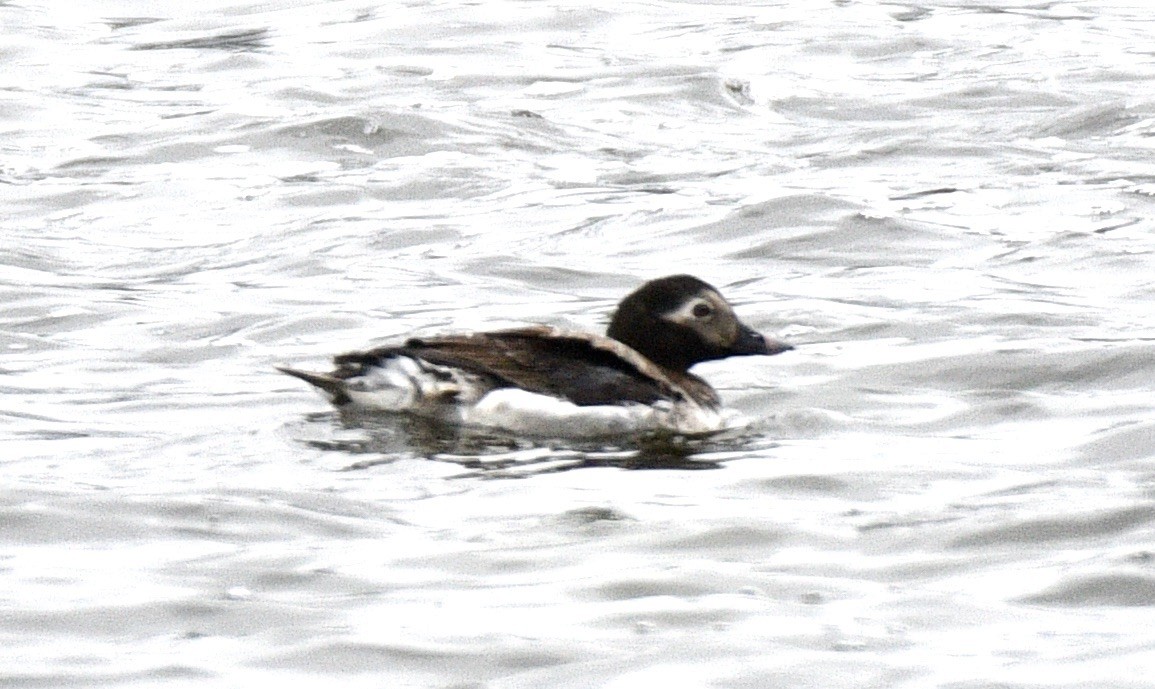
{"points": [[333, 387]]}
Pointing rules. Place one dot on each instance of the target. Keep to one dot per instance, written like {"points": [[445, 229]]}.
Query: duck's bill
{"points": [[751, 341], [776, 346]]}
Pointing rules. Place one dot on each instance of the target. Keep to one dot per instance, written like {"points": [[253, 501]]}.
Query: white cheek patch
{"points": [[721, 328], [684, 314]]}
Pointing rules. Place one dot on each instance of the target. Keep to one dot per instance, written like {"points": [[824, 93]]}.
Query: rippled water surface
{"points": [[947, 206]]}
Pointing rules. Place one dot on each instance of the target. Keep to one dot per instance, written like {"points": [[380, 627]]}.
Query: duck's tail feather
{"points": [[334, 387]]}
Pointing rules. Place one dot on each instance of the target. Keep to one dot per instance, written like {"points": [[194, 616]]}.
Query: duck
{"points": [[543, 380]]}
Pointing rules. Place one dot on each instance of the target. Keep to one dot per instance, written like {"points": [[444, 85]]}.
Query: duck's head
{"points": [[679, 321]]}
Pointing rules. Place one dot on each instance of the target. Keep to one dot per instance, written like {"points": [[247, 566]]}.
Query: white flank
{"points": [[403, 384], [531, 414]]}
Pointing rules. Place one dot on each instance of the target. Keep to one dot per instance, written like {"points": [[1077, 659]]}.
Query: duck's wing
{"points": [[583, 368]]}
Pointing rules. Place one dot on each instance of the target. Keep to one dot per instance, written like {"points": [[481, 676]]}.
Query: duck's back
{"points": [[583, 369], [535, 381]]}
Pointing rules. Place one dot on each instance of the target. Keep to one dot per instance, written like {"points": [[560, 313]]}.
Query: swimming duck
{"points": [[541, 380]]}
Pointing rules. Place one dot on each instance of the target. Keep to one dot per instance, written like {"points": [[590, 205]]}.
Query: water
{"points": [[946, 205]]}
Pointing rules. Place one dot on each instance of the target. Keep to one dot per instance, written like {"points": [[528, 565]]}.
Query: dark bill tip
{"points": [[752, 342], [776, 346]]}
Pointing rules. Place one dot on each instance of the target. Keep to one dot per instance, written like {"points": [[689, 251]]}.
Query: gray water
{"points": [[945, 205]]}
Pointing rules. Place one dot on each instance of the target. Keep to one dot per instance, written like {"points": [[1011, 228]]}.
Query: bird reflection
{"points": [[485, 453]]}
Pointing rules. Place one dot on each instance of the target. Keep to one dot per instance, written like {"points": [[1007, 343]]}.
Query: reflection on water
{"points": [[494, 454]]}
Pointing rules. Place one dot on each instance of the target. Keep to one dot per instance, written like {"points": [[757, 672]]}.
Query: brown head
{"points": [[679, 321]]}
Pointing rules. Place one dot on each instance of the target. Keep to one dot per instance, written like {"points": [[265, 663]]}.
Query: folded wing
{"points": [[582, 368]]}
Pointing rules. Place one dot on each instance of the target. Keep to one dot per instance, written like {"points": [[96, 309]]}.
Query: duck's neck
{"points": [[641, 334]]}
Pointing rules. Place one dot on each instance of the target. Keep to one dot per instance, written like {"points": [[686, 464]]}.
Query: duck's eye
{"points": [[702, 310]]}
